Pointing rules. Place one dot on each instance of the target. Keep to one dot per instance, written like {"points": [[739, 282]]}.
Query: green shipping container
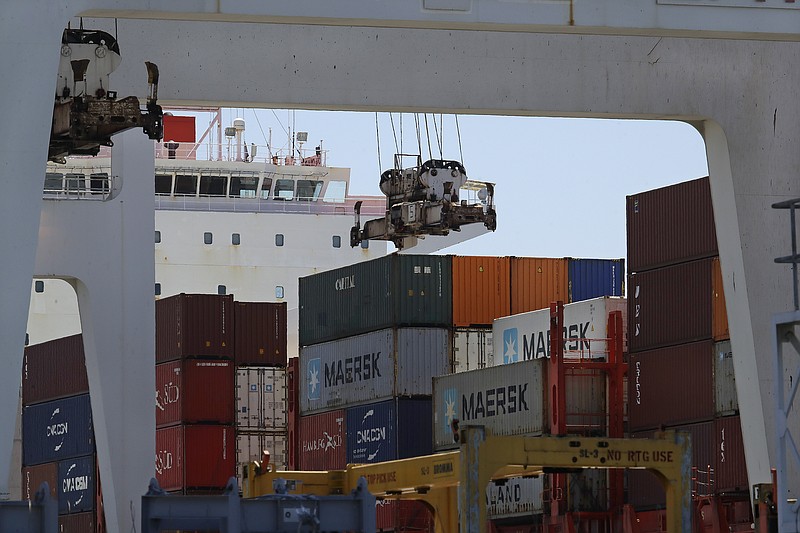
{"points": [[396, 290]]}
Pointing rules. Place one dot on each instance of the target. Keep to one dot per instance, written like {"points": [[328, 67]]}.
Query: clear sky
{"points": [[560, 183]]}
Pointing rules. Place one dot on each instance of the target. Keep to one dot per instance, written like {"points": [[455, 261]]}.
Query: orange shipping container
{"points": [[535, 282], [719, 316], [480, 290]]}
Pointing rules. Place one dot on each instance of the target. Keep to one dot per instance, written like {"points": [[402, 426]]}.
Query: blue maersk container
{"points": [[593, 278], [76, 485], [57, 430], [385, 431]]}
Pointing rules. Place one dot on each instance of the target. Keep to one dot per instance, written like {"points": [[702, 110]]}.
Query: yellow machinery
{"points": [[457, 480]]}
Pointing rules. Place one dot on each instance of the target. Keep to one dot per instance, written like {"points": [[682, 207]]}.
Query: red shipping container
{"points": [[80, 523], [322, 441], [195, 456], [53, 370], [34, 476], [671, 386], [194, 325], [670, 225], [292, 412], [731, 468], [260, 333], [670, 306], [404, 515], [195, 390]]}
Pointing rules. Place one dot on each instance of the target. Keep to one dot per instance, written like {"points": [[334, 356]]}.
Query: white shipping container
{"points": [[725, 398], [472, 349], [261, 399], [527, 335], [250, 447], [506, 399], [513, 496], [372, 367]]}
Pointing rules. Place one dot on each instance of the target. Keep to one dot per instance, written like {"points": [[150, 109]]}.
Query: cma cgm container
{"points": [[593, 278], [670, 225], [322, 441], [371, 367], [77, 485], [527, 335], [670, 306], [250, 447], [54, 369], [655, 399], [395, 290], [481, 289], [194, 325], [536, 281], [194, 390], [195, 456], [472, 349], [507, 399], [385, 431], [726, 400], [57, 430], [260, 333], [515, 496], [261, 397]]}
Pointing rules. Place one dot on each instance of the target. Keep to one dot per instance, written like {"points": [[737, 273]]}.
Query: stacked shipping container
{"points": [[57, 434], [679, 347]]}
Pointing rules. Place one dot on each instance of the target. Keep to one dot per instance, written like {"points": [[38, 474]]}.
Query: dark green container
{"points": [[396, 290]]}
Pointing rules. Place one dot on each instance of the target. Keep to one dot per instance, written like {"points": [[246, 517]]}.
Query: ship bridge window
{"points": [[244, 186], [185, 185], [284, 189], [213, 185], [265, 188], [335, 192], [164, 184], [99, 183], [76, 182], [308, 190], [53, 183]]}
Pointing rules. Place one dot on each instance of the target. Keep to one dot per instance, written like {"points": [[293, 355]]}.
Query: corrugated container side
{"points": [[422, 290], [195, 390], [323, 441], [725, 397], [385, 431], [260, 333], [195, 456], [535, 282], [655, 399], [371, 367], [261, 397], [586, 402], [293, 410], [249, 447], [527, 335], [670, 225], [507, 399], [518, 495], [77, 486], [54, 369], [78, 523], [403, 515], [194, 325], [34, 476], [592, 278], [472, 349], [57, 430], [670, 306], [644, 490], [731, 467], [481, 289], [719, 315]]}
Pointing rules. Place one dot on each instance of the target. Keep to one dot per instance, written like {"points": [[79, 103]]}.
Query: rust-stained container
{"points": [[536, 281], [260, 333], [34, 476], [195, 390], [79, 523], [194, 325], [322, 441], [719, 315], [731, 468], [670, 225], [671, 386], [195, 456], [726, 400], [53, 370], [481, 289], [670, 306], [644, 490]]}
